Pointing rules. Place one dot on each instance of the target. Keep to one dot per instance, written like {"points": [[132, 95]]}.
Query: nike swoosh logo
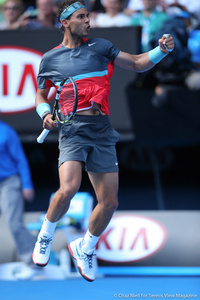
{"points": [[91, 44]]}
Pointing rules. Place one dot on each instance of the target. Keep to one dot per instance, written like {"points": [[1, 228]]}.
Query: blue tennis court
{"points": [[106, 288]]}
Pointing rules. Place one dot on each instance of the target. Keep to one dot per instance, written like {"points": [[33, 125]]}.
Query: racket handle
{"points": [[42, 136]]}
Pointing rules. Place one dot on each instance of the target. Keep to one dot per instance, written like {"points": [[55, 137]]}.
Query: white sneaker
{"points": [[41, 253], [27, 272], [85, 262]]}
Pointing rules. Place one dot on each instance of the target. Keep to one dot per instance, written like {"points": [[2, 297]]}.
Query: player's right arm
{"points": [[146, 61], [43, 108]]}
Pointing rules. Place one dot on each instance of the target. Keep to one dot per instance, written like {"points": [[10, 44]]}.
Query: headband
{"points": [[70, 10]]}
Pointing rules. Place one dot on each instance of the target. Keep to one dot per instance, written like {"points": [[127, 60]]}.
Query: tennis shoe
{"points": [[85, 262], [27, 272], [41, 253]]}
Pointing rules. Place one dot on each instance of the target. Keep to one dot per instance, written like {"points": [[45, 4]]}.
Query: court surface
{"points": [[105, 288]]}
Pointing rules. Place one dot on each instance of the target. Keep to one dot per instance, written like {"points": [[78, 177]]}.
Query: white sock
{"points": [[89, 242], [48, 228]]}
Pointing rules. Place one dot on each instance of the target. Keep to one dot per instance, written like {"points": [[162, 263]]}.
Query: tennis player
{"points": [[89, 141]]}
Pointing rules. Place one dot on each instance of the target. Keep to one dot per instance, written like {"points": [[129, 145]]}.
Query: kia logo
{"points": [[18, 78], [129, 238]]}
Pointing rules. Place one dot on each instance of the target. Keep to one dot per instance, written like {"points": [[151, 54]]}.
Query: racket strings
{"points": [[66, 102]]}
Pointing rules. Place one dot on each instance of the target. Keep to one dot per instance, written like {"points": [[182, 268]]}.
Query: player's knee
{"points": [[111, 205], [65, 195]]}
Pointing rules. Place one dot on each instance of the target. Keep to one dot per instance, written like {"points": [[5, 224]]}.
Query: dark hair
{"points": [[63, 5]]}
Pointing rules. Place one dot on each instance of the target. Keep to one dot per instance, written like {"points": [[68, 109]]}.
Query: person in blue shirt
{"points": [[15, 186]]}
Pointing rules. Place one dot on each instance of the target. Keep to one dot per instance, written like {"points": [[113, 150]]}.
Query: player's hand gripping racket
{"points": [[65, 105]]}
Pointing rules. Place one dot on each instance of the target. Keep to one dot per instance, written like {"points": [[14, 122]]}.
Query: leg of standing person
{"points": [[12, 206]]}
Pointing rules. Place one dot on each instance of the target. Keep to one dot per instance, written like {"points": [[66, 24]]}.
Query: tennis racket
{"points": [[65, 105]]}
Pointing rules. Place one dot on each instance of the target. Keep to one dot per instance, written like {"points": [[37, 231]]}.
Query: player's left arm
{"points": [[145, 61]]}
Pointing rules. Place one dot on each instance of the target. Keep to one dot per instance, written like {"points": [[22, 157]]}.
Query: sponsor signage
{"points": [[18, 85], [130, 238]]}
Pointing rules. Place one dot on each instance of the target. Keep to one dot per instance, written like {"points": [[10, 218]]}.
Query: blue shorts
{"points": [[91, 140]]}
